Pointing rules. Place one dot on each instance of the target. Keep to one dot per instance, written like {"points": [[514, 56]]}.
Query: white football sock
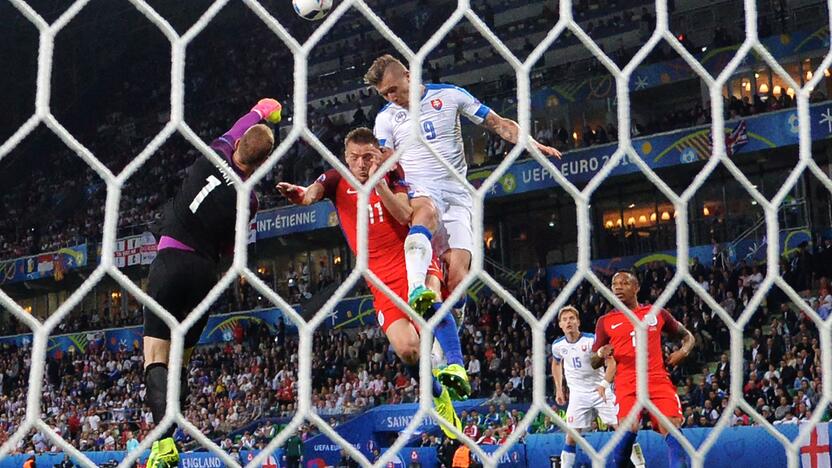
{"points": [[567, 460], [417, 255], [437, 356], [637, 456]]}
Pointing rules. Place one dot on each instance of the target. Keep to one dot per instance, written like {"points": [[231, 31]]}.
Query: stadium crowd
{"points": [[295, 284], [94, 397]]}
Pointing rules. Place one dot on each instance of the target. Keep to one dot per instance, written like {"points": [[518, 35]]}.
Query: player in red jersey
{"points": [[615, 336], [388, 226]]}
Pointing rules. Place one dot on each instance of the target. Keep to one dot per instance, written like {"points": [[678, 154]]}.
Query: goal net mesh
{"points": [[300, 131]]}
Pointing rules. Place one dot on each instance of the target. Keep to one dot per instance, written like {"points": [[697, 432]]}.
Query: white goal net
{"points": [[299, 131]]}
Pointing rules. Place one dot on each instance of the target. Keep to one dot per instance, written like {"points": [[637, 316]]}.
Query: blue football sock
{"points": [[437, 387], [419, 229], [621, 453], [677, 457], [448, 336]]}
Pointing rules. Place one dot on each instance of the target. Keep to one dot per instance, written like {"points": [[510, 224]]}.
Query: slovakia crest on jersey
{"points": [[436, 103], [583, 347]]}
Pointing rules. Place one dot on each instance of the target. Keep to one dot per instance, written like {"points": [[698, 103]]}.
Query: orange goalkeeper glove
{"points": [[268, 109]]}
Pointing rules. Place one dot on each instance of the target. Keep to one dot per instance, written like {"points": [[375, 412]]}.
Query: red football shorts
{"points": [[395, 278], [664, 396]]}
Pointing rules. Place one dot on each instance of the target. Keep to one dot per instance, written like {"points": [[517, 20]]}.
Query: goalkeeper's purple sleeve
{"points": [[244, 123]]}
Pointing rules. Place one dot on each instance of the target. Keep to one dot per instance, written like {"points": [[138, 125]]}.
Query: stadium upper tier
{"points": [[342, 64]]}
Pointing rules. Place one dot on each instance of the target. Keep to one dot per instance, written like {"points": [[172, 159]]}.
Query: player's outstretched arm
{"points": [[268, 109], [301, 195], [509, 130]]}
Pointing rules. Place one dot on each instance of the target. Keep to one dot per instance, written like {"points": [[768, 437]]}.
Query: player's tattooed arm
{"points": [[509, 130], [688, 342], [610, 366], [600, 357]]}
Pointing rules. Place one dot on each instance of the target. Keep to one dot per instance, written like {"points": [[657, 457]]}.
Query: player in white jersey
{"points": [[442, 208], [589, 392]]}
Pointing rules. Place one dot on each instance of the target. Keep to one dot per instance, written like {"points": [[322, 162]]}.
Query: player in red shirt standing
{"points": [[388, 226], [615, 336]]}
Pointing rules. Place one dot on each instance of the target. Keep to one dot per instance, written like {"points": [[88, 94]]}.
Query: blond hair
{"points": [[375, 74], [570, 308]]}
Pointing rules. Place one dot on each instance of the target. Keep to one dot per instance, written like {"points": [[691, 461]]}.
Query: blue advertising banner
{"points": [[187, 459], [539, 449], [747, 250], [220, 328], [349, 313], [292, 219], [123, 339], [395, 418], [60, 344], [514, 458], [426, 457], [321, 451], [559, 274], [275, 460], [45, 265], [736, 446], [766, 131], [75, 342], [361, 431], [752, 250], [685, 146]]}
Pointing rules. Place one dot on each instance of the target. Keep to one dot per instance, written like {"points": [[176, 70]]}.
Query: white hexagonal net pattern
{"points": [[299, 130]]}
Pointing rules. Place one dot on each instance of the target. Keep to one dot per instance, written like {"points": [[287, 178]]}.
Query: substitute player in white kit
{"points": [[442, 208], [589, 392]]}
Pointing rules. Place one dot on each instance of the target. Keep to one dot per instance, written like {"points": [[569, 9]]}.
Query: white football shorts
{"points": [[455, 208], [583, 407]]}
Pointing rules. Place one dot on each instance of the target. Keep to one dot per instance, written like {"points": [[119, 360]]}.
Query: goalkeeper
{"points": [[197, 230]]}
